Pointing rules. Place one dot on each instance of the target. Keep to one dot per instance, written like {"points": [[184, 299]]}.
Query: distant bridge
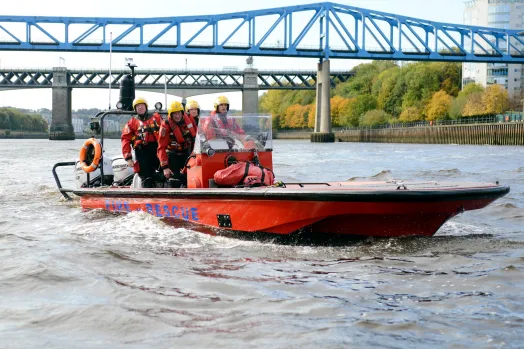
{"points": [[323, 30], [156, 79], [184, 83]]}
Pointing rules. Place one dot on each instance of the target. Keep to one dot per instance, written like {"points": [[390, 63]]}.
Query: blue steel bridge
{"points": [[323, 31]]}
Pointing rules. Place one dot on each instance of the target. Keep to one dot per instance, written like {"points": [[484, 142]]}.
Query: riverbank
{"points": [[24, 135], [474, 134]]}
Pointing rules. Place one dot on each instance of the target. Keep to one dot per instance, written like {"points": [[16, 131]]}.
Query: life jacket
{"points": [[219, 125], [147, 131], [178, 141]]}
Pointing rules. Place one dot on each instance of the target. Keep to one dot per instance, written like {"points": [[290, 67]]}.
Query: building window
{"points": [[498, 72]]}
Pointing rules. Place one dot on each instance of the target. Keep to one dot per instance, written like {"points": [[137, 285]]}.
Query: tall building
{"points": [[504, 14]]}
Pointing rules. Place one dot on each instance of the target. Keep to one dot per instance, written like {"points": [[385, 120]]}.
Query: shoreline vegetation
{"points": [[383, 92]]}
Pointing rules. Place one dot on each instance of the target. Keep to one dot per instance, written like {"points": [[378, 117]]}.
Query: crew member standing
{"points": [[193, 110], [141, 132], [177, 137]]}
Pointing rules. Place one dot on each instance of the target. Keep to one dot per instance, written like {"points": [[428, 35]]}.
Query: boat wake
{"points": [[382, 175]]}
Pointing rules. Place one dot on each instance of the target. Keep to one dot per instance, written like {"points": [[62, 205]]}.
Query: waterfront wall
{"points": [[493, 134], [292, 135], [21, 135]]}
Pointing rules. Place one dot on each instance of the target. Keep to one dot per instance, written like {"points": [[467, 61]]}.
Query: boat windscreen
{"points": [[234, 133]]}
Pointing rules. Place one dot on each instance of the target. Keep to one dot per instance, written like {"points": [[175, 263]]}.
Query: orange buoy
{"points": [[88, 160]]}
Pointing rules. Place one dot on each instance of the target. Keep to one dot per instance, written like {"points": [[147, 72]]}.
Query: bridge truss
{"points": [[321, 30], [175, 79]]}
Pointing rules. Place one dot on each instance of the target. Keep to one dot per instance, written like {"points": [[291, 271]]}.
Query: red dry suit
{"points": [[138, 133], [176, 139], [214, 124]]}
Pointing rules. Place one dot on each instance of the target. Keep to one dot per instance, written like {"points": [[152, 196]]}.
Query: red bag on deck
{"points": [[244, 173]]}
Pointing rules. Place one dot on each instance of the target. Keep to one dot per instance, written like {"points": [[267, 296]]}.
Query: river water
{"points": [[73, 279]]}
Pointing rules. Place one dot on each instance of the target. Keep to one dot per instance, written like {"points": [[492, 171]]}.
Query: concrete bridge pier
{"points": [[250, 92], [61, 125], [323, 132]]}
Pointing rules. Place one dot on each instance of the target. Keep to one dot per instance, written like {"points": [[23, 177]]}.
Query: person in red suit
{"points": [[141, 133], [176, 141], [220, 122]]}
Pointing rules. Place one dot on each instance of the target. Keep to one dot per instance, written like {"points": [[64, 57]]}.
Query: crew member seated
{"points": [[219, 123]]}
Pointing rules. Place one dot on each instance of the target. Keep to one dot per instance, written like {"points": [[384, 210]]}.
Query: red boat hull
{"points": [[346, 209]]}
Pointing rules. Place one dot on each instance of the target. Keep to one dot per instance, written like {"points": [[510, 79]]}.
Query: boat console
{"points": [[217, 147]]}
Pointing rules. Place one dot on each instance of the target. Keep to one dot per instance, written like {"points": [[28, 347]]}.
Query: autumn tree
{"points": [[458, 105], [474, 106], [495, 100], [312, 110], [438, 108], [295, 116], [337, 103]]}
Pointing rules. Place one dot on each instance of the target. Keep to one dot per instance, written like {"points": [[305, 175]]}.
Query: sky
{"points": [[449, 11]]}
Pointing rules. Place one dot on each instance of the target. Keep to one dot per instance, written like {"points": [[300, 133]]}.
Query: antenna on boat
{"points": [[110, 76], [165, 90]]}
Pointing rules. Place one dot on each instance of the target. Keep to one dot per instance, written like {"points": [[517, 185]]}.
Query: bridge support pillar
{"points": [[61, 124], [250, 92], [323, 132]]}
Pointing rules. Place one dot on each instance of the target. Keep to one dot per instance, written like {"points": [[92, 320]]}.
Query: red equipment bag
{"points": [[244, 173]]}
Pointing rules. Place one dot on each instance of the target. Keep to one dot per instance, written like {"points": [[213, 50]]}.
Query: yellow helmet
{"points": [[221, 100], [192, 104], [139, 100], [174, 107]]}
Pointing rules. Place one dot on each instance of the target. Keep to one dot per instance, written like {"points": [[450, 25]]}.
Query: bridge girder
{"points": [[174, 79], [323, 30]]}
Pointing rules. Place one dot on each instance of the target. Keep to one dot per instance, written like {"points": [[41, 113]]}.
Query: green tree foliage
{"points": [[411, 114], [375, 117], [362, 82], [471, 88], [456, 110], [355, 108], [383, 88], [14, 119], [422, 80]]}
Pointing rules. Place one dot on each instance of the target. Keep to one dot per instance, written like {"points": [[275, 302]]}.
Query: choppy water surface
{"points": [[70, 279]]}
